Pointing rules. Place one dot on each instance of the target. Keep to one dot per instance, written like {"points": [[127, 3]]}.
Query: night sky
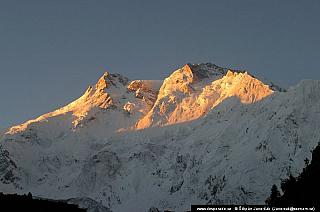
{"points": [[51, 51]]}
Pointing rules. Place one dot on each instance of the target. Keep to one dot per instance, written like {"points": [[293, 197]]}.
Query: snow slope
{"points": [[192, 91], [209, 135]]}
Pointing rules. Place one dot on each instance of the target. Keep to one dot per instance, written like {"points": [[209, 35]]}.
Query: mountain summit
{"points": [[143, 103], [192, 91], [204, 135]]}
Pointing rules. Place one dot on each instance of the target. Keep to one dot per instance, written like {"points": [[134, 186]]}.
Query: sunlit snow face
{"points": [[181, 100], [189, 93]]}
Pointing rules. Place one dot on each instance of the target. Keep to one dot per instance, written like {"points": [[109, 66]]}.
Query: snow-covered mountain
{"points": [[204, 135], [192, 91]]}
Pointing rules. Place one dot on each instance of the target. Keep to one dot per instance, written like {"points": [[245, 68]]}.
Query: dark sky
{"points": [[51, 51]]}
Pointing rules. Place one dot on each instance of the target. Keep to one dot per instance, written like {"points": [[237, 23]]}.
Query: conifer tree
{"points": [[275, 194]]}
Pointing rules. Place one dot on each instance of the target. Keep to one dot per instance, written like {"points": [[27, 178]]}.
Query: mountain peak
{"points": [[142, 99], [111, 80], [202, 71], [186, 95], [206, 65]]}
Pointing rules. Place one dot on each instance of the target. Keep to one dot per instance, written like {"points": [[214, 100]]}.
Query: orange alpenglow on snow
{"points": [[187, 94]]}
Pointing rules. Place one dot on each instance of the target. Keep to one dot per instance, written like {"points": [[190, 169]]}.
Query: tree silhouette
{"points": [[275, 194], [306, 162]]}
